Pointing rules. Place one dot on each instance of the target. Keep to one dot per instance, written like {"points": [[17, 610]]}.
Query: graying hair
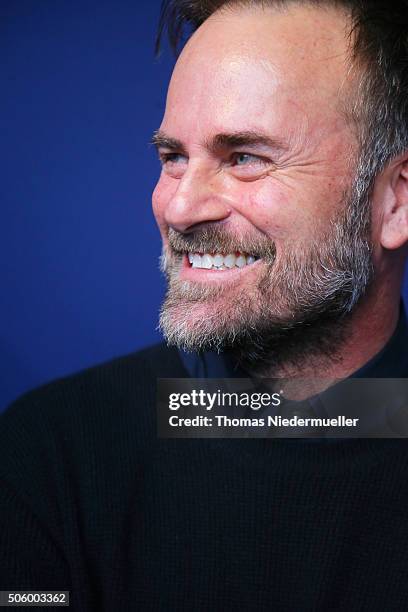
{"points": [[379, 49]]}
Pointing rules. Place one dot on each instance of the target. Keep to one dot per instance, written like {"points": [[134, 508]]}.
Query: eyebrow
{"points": [[161, 141], [222, 141]]}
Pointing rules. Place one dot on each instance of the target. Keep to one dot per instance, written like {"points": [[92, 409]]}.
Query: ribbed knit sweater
{"points": [[93, 502]]}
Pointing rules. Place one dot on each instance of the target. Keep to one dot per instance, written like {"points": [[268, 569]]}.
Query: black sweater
{"points": [[91, 501]]}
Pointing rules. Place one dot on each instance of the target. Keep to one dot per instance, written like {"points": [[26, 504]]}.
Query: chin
{"points": [[210, 323]]}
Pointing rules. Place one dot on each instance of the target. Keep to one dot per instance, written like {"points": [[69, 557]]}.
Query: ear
{"points": [[394, 229]]}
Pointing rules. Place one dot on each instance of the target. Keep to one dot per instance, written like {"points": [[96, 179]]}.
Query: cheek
{"points": [[268, 207], [288, 214]]}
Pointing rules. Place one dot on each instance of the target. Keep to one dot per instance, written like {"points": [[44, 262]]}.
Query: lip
{"points": [[213, 276]]}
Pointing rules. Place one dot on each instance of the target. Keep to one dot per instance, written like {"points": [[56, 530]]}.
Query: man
{"points": [[283, 207]]}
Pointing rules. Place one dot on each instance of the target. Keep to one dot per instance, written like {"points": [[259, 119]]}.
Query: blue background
{"points": [[81, 95]]}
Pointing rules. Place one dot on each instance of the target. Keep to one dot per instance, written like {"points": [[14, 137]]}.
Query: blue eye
{"points": [[173, 164], [248, 166], [172, 158], [248, 159], [243, 158]]}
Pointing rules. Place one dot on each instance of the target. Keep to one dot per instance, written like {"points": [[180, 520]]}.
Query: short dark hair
{"points": [[379, 35]]}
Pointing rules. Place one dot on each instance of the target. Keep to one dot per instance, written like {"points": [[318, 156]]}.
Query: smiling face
{"points": [[255, 200]]}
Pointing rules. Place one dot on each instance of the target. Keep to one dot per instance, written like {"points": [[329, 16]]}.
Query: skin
{"points": [[284, 74]]}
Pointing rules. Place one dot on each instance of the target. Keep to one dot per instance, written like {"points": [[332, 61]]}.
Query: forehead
{"points": [[245, 68]]}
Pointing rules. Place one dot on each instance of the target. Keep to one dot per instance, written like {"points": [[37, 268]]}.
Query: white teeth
{"points": [[218, 261], [229, 261], [196, 263], [206, 262]]}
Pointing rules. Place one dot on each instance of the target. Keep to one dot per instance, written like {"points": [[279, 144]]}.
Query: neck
{"points": [[334, 350]]}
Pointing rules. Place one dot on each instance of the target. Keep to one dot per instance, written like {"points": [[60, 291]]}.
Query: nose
{"points": [[198, 199]]}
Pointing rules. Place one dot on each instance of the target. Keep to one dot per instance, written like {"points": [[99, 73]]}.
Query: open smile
{"points": [[209, 267], [218, 261]]}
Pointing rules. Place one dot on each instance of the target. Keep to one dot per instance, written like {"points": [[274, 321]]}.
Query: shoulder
{"points": [[115, 378], [68, 446], [85, 415]]}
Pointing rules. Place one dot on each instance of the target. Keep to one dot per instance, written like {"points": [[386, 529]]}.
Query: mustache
{"points": [[215, 239]]}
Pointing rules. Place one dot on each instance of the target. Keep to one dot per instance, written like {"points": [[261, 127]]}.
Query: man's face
{"points": [[253, 199]]}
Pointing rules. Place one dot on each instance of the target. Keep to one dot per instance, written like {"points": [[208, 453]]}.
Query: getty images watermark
{"points": [[254, 401], [207, 401], [245, 408]]}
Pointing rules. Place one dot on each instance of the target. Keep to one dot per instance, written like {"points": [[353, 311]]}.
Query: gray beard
{"points": [[300, 307]]}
